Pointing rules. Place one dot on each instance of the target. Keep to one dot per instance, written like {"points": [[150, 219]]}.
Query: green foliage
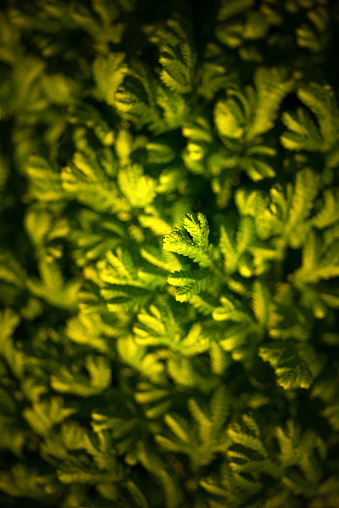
{"points": [[195, 245], [169, 254]]}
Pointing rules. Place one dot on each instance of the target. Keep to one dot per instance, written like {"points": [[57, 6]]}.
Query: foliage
{"points": [[169, 254]]}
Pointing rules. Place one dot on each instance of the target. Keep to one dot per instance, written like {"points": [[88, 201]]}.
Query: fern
{"points": [[44, 415], [189, 284], [137, 357], [292, 364], [169, 254], [46, 184], [328, 215], [138, 189], [234, 245], [206, 439], [194, 246], [86, 181], [177, 58], [271, 86], [23, 481], [305, 134], [135, 98], [13, 357], [109, 73], [52, 287], [317, 265], [157, 400]]}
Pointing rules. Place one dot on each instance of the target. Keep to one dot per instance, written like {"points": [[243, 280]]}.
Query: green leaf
{"points": [[271, 87], [157, 325], [60, 89], [247, 435], [53, 288], [78, 471], [140, 190], [160, 258], [45, 182], [329, 213], [66, 381], [231, 310], [321, 101], [189, 284], [14, 358], [303, 133], [10, 269], [261, 302], [228, 246], [179, 427], [177, 56], [287, 360], [99, 370], [45, 414], [230, 115], [135, 355], [13, 435], [135, 99], [109, 72], [302, 201], [90, 330], [231, 8], [197, 226], [24, 481], [235, 244], [87, 180], [156, 399], [194, 246], [317, 263], [314, 34], [138, 497]]}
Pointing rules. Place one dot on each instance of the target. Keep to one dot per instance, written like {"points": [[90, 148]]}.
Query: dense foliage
{"points": [[169, 255]]}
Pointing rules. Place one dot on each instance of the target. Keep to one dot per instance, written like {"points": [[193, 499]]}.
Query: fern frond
{"points": [[303, 133], [44, 415], [140, 190], [161, 258], [231, 310], [329, 213], [271, 86], [194, 246], [13, 356], [53, 288], [321, 101], [317, 263], [45, 182], [189, 284], [156, 399], [138, 497], [261, 302], [86, 180], [109, 72], [136, 356], [291, 369], [302, 201], [99, 371]]}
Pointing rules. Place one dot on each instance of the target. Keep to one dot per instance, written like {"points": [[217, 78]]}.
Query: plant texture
{"points": [[169, 254]]}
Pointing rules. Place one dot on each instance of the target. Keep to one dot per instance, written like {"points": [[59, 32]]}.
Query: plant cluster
{"points": [[169, 255]]}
